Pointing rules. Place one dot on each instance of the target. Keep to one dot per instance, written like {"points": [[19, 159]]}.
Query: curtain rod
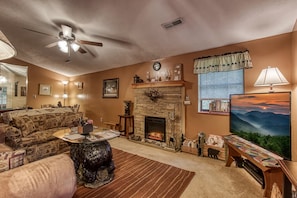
{"points": [[222, 54]]}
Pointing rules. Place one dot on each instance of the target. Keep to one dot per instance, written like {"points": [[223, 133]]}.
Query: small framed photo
{"points": [[23, 91], [80, 85], [44, 90], [111, 88]]}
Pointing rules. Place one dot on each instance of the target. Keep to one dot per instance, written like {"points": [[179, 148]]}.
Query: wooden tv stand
{"points": [[261, 158]]}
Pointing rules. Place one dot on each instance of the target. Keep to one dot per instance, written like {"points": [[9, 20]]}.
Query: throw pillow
{"points": [[70, 119], [25, 124], [51, 123], [39, 121], [215, 140]]}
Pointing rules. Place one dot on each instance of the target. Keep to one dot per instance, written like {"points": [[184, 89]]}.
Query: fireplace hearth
{"points": [[155, 128]]}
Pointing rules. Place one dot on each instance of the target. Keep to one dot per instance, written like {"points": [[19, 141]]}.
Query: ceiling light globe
{"points": [[75, 46], [62, 43], [64, 49]]}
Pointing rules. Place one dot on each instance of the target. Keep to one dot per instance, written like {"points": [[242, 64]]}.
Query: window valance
{"points": [[225, 62]]}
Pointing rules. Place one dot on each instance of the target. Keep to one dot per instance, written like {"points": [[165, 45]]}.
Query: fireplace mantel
{"points": [[177, 83]]}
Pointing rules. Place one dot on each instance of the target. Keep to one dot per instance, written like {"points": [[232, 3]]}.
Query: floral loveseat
{"points": [[32, 130]]}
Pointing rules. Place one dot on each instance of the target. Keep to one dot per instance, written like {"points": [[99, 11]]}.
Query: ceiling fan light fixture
{"points": [[67, 31], [64, 49], [62, 44], [67, 41], [75, 46]]}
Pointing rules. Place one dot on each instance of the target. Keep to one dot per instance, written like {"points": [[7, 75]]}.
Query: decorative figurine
{"points": [[127, 107]]}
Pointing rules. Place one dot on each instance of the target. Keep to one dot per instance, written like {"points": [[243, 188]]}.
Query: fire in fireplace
{"points": [[155, 128]]}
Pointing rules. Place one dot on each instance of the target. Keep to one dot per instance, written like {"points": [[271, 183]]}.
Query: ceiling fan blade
{"points": [[86, 50], [67, 31], [51, 45], [38, 32], [90, 43], [81, 50]]}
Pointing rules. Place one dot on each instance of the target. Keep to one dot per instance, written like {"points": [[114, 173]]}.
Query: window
{"points": [[3, 97], [215, 89]]}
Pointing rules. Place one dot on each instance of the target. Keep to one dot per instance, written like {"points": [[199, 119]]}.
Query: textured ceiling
{"points": [[131, 30]]}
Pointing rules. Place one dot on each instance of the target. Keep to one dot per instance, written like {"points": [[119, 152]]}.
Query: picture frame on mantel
{"points": [[111, 88], [44, 90]]}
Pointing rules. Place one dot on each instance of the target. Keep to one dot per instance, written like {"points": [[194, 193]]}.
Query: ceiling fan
{"points": [[68, 41]]}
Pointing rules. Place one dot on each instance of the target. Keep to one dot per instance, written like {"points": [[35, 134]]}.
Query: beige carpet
{"points": [[137, 176], [212, 178]]}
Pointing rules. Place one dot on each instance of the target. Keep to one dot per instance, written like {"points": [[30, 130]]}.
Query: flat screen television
{"points": [[263, 119]]}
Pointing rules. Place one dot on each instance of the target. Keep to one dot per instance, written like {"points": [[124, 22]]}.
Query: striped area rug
{"points": [[137, 177]]}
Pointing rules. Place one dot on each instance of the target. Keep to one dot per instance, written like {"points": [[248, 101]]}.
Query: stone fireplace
{"points": [[168, 106]]}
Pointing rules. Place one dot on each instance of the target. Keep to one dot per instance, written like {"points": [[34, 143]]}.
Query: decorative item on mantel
{"points": [[178, 72], [148, 77], [137, 79], [167, 75], [153, 94]]}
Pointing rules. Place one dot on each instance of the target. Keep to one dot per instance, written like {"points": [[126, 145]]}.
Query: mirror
{"points": [[13, 86]]}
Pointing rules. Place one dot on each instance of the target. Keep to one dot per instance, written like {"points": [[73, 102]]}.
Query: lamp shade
{"points": [[271, 76], [6, 48]]}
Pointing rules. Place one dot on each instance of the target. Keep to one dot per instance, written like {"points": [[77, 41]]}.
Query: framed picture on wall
{"points": [[23, 91], [80, 85], [111, 88], [44, 89]]}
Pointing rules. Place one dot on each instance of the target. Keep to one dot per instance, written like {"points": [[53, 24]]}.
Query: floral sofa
{"points": [[32, 130]]}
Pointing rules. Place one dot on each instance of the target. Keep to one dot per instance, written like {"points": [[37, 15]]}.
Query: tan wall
{"points": [[274, 51]]}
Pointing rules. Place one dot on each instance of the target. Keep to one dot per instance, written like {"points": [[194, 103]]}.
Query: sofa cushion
{"points": [[53, 120], [40, 151], [39, 137], [13, 137], [25, 124], [39, 121], [11, 159], [71, 119]]}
